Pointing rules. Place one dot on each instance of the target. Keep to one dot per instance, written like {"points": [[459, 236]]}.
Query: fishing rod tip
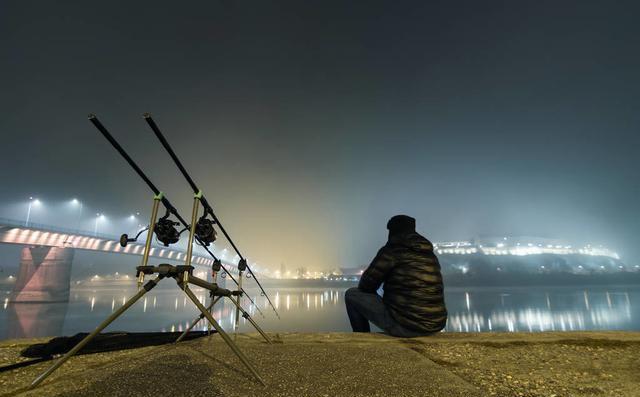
{"points": [[146, 115], [91, 116]]}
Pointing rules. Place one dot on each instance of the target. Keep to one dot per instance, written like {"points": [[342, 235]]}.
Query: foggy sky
{"points": [[308, 124]]}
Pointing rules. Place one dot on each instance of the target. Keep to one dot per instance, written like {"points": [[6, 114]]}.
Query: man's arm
{"points": [[377, 271]]}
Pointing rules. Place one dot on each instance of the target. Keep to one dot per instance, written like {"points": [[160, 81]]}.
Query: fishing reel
{"points": [[205, 231], [166, 232], [124, 239]]}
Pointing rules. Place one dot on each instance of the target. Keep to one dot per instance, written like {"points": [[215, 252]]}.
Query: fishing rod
{"points": [[207, 207], [171, 210]]}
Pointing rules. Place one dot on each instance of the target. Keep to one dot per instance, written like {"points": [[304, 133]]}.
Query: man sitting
{"points": [[413, 299]]}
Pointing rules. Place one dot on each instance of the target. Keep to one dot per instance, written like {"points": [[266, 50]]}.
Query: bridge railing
{"points": [[57, 229], [85, 233]]}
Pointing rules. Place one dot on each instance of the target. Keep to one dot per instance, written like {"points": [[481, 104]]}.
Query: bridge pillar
{"points": [[44, 275]]}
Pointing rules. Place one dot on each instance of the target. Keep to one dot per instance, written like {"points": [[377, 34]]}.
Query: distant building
{"points": [[526, 255], [519, 246], [351, 271]]}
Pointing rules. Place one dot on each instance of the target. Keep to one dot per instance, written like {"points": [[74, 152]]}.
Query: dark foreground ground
{"points": [[338, 364]]}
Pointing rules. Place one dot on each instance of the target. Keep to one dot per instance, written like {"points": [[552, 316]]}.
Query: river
{"points": [[321, 309]]}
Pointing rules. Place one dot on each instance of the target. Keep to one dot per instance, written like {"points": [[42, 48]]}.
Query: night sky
{"points": [[309, 123]]}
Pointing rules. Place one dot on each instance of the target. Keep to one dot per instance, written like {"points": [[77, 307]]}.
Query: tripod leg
{"points": [[223, 334], [147, 287], [197, 320], [248, 317], [208, 323], [193, 324]]}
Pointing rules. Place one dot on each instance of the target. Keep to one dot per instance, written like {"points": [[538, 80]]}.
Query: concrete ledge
{"points": [[341, 364]]}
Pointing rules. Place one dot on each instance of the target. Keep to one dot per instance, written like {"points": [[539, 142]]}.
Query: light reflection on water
{"points": [[317, 309], [557, 309]]}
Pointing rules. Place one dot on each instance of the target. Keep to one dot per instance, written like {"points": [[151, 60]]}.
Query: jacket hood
{"points": [[412, 241]]}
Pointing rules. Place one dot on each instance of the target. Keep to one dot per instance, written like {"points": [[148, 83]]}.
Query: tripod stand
{"points": [[183, 275]]}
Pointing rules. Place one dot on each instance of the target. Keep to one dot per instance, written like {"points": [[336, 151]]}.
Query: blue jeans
{"points": [[363, 307]]}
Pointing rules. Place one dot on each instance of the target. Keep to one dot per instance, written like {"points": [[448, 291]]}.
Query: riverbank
{"points": [[346, 364]]}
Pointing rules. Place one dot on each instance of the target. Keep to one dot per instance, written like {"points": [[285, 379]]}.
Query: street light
{"points": [[134, 218], [32, 201], [99, 217], [78, 203]]}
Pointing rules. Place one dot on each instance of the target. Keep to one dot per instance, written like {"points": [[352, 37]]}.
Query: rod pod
{"points": [[165, 201]]}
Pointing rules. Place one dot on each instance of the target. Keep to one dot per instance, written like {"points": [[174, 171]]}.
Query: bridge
{"points": [[47, 256]]}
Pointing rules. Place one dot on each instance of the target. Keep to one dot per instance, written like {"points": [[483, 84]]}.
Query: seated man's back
{"points": [[413, 301], [413, 289]]}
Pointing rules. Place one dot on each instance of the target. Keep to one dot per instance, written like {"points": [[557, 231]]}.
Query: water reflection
{"points": [[563, 309], [30, 320], [322, 310]]}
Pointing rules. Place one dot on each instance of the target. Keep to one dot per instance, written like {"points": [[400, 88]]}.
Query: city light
{"points": [[520, 249], [499, 246]]}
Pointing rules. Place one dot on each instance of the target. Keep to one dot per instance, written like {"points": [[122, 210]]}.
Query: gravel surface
{"points": [[337, 364], [558, 364]]}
